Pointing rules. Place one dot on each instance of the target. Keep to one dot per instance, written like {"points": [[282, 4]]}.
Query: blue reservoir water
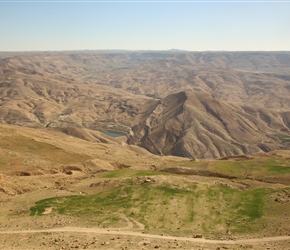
{"points": [[112, 134]]}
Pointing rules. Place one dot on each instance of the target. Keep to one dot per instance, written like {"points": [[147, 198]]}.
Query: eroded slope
{"points": [[196, 124]]}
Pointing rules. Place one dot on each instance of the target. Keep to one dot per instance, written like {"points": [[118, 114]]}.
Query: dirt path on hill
{"points": [[143, 235]]}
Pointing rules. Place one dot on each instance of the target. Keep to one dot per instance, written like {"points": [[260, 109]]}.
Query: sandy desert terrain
{"points": [[203, 163]]}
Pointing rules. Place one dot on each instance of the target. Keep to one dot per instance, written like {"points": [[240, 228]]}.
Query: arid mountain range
{"points": [[66, 185], [195, 124], [193, 104]]}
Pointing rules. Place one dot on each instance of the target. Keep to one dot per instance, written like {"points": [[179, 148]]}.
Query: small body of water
{"points": [[113, 134]]}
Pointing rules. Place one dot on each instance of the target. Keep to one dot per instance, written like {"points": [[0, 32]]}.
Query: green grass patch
{"points": [[167, 191], [280, 169], [130, 173], [166, 208], [283, 137], [258, 167], [251, 204]]}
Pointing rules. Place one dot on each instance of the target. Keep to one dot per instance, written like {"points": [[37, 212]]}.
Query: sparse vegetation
{"points": [[64, 173], [283, 137], [129, 173], [253, 168], [164, 208]]}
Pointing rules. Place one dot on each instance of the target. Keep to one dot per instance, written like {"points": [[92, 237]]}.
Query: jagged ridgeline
{"points": [[196, 124]]}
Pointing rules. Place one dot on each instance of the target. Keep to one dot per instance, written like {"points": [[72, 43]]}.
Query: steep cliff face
{"points": [[196, 124]]}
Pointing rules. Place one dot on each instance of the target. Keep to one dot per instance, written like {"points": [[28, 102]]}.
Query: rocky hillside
{"points": [[232, 102], [247, 78], [44, 97], [196, 124]]}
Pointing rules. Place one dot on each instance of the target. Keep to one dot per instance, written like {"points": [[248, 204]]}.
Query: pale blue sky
{"points": [[195, 26]]}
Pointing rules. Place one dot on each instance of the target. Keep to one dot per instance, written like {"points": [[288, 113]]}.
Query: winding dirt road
{"points": [[131, 233]]}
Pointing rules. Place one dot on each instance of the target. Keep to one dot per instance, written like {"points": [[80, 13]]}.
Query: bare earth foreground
{"points": [[97, 238], [52, 231]]}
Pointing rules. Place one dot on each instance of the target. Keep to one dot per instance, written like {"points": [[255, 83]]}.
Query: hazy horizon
{"points": [[145, 25], [137, 50]]}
